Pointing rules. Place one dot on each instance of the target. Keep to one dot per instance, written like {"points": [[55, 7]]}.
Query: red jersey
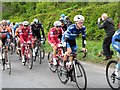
{"points": [[53, 35], [25, 34]]}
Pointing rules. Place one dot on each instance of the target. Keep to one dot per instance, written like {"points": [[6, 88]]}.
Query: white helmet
{"points": [[25, 23], [78, 18], [57, 23]]}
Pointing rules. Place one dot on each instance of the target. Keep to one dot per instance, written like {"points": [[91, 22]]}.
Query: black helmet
{"points": [[36, 21]]}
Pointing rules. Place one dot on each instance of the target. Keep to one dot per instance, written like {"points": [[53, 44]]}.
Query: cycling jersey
{"points": [[72, 33], [36, 30], [4, 32], [53, 35], [116, 41], [4, 35], [17, 32], [25, 34]]}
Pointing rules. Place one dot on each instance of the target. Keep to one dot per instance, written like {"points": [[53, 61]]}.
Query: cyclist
{"points": [[64, 26], [116, 46], [17, 36], [25, 37], [54, 37], [5, 31], [37, 27], [68, 22], [69, 38], [62, 17]]}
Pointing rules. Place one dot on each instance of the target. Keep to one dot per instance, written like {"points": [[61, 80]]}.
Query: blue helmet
{"points": [[62, 15], [116, 41], [8, 22]]}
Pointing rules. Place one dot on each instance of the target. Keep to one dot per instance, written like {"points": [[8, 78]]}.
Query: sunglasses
{"points": [[58, 26], [4, 25], [80, 22], [25, 25]]}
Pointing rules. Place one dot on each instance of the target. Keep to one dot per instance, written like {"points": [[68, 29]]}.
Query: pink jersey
{"points": [[25, 34], [53, 35]]}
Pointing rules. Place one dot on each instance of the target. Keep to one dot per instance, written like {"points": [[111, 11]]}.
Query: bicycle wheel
{"points": [[113, 82], [5, 67], [39, 56], [52, 67], [3, 64], [62, 74], [9, 70], [42, 52], [79, 75], [11, 50], [30, 59]]}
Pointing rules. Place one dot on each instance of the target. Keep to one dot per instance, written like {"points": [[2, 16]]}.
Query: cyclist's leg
{"points": [[22, 52], [67, 53], [6, 53], [33, 45], [54, 53], [18, 45]]}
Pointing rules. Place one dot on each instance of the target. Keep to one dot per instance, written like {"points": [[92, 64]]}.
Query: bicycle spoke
{"points": [[80, 76], [113, 82]]}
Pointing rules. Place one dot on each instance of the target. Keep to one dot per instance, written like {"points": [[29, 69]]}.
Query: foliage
{"points": [[48, 12]]}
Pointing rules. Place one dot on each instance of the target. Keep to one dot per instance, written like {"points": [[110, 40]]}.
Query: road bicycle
{"points": [[75, 72], [5, 61], [59, 55], [112, 79], [28, 55]]}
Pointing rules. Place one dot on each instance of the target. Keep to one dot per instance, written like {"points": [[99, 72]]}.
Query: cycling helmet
{"points": [[66, 18], [57, 23], [16, 23], [25, 23], [36, 21], [8, 22], [78, 18], [4, 22], [62, 15], [20, 23], [116, 41]]}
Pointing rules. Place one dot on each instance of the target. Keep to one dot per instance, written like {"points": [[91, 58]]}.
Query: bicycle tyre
{"points": [[42, 53], [107, 74], [81, 85], [9, 68], [60, 73], [52, 67], [39, 56], [30, 60]]}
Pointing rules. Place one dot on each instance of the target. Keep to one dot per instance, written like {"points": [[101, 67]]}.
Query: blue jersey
{"points": [[72, 32], [116, 41]]}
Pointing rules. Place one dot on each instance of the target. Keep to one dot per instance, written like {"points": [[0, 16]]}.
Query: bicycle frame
{"points": [[27, 48], [59, 52]]}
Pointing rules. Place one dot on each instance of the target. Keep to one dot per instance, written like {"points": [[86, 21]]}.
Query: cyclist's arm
{"points": [[101, 26], [84, 38], [30, 34], [21, 37], [52, 36], [42, 29]]}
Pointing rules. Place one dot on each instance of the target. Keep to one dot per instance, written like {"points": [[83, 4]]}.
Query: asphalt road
{"points": [[41, 77]]}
